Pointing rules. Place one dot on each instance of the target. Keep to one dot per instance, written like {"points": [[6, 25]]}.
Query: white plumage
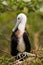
{"points": [[21, 22], [19, 40], [21, 45]]}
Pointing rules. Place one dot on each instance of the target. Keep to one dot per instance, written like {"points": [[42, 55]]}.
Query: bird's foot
{"points": [[19, 55], [22, 56], [25, 55]]}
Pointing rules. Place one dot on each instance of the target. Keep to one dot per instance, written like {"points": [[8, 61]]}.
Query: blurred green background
{"points": [[9, 9]]}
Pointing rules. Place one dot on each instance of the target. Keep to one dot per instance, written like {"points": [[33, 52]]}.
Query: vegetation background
{"points": [[9, 9]]}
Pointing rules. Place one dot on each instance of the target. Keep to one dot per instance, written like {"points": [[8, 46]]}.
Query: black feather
{"points": [[14, 43]]}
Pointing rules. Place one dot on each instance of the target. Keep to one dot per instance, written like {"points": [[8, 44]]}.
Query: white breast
{"points": [[21, 45]]}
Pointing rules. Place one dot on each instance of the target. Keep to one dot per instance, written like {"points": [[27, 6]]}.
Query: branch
{"points": [[30, 58]]}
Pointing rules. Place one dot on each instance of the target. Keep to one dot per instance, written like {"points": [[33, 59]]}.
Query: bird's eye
{"points": [[18, 18]]}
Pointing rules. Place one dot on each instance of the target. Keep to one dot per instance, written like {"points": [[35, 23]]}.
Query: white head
{"points": [[21, 19]]}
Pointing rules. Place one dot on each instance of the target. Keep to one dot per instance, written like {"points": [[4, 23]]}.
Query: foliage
{"points": [[8, 16], [33, 5]]}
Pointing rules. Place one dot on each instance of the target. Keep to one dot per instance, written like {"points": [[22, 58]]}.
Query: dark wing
{"points": [[27, 42], [13, 44]]}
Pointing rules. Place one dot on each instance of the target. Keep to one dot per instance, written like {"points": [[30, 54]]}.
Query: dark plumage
{"points": [[14, 43], [20, 44]]}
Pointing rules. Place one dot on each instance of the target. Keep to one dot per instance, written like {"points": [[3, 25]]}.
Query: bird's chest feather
{"points": [[21, 45]]}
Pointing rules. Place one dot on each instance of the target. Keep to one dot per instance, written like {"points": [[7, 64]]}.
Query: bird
{"points": [[20, 43]]}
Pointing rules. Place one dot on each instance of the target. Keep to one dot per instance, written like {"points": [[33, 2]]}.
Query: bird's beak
{"points": [[15, 27]]}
